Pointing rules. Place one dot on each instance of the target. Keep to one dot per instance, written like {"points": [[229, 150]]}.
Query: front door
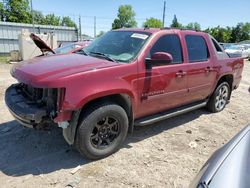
{"points": [[163, 86]]}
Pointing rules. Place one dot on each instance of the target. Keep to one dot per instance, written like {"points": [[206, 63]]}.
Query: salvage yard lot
{"points": [[166, 154]]}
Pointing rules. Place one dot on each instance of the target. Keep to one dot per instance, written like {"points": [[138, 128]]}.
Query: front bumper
{"points": [[25, 112]]}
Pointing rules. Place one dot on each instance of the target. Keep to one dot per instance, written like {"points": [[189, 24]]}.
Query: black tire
{"points": [[219, 98], [105, 123]]}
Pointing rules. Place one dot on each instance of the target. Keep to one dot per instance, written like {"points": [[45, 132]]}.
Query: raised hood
{"points": [[56, 66]]}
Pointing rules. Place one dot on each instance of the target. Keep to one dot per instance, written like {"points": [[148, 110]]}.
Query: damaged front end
{"points": [[33, 107]]}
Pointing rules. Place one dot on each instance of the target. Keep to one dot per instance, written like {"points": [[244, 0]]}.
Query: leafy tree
{"points": [[66, 21], [38, 17], [246, 27], [18, 11], [152, 22], [51, 19], [224, 34], [220, 34], [1, 12], [175, 23], [231, 34], [100, 33], [195, 26], [240, 32], [125, 17]]}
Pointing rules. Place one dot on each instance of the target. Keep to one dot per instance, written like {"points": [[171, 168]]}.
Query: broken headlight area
{"points": [[33, 107]]}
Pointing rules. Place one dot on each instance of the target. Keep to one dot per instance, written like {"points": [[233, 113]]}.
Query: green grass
{"points": [[4, 59]]}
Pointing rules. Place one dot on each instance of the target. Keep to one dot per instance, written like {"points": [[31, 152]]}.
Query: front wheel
{"points": [[102, 131], [220, 97]]}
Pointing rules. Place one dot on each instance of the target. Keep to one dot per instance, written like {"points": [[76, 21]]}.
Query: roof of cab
{"points": [[155, 30]]}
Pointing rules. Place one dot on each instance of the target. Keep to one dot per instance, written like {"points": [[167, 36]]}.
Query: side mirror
{"points": [[159, 59], [162, 56]]}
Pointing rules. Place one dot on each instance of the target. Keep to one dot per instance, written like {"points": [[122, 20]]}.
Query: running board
{"points": [[168, 114]]}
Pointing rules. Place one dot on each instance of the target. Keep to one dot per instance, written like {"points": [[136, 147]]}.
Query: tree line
{"points": [[240, 32], [235, 34], [19, 11]]}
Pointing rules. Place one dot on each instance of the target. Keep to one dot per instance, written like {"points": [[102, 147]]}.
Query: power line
{"points": [[62, 14]]}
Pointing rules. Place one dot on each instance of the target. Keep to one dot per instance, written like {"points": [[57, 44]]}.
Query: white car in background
{"points": [[238, 50]]}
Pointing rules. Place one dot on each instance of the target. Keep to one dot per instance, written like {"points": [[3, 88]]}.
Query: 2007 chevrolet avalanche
{"points": [[126, 77]]}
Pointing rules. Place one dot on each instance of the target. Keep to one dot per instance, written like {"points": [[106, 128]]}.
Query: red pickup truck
{"points": [[125, 78]]}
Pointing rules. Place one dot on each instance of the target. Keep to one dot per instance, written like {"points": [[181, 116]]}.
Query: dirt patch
{"points": [[166, 154]]}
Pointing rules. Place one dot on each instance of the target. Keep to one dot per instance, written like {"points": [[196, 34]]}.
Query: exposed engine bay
{"points": [[32, 106]]}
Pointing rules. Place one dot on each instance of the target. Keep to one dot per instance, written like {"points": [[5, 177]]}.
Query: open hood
{"points": [[41, 44]]}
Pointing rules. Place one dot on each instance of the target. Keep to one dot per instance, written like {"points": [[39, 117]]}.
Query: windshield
{"points": [[119, 45], [66, 49]]}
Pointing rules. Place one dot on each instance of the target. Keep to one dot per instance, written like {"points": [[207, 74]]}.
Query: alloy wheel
{"points": [[221, 98], [105, 132]]}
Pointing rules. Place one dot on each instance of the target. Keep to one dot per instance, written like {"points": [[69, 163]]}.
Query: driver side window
{"points": [[170, 44]]}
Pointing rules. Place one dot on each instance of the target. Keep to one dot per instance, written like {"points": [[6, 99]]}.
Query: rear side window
{"points": [[216, 45], [170, 44], [197, 48]]}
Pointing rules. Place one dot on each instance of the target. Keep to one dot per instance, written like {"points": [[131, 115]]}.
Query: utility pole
{"points": [[80, 28], [163, 18], [5, 4], [32, 14], [94, 26]]}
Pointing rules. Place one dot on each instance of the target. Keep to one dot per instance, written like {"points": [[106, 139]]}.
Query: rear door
{"points": [[163, 86], [201, 74]]}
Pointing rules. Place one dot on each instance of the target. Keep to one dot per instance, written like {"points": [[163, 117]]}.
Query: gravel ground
{"points": [[167, 154]]}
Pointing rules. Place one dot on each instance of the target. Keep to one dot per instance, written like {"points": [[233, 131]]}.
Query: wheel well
{"points": [[229, 79], [122, 100]]}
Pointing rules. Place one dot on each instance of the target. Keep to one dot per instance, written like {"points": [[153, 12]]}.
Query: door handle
{"points": [[208, 69], [180, 74]]}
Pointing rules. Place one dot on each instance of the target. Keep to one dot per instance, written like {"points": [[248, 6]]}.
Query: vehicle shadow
{"points": [[26, 151], [144, 132]]}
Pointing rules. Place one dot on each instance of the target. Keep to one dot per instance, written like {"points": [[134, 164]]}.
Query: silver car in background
{"points": [[229, 166], [238, 51]]}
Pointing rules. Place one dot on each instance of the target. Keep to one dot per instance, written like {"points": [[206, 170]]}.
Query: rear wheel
{"points": [[102, 131], [220, 97]]}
